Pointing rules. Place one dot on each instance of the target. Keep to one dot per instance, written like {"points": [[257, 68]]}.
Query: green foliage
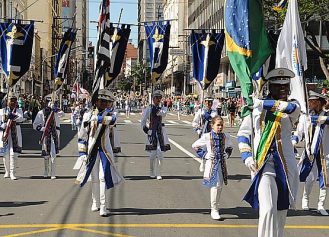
{"points": [[308, 10], [137, 74]]}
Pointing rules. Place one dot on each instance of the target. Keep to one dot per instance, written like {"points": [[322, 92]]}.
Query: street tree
{"points": [[310, 11]]}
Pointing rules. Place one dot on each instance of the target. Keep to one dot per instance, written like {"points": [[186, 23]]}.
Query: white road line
{"points": [[122, 113], [184, 150], [127, 121], [133, 113], [172, 122], [187, 122], [171, 114]]}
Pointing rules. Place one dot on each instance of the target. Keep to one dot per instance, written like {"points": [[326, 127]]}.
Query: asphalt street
{"points": [[178, 205]]}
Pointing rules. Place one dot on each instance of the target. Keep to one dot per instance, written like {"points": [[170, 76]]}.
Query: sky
{"points": [[129, 15]]}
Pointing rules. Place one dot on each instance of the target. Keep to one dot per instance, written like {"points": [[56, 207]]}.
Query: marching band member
{"points": [[273, 167], [96, 155], [202, 118], [314, 163], [47, 121], [217, 147], [10, 130], [157, 139]]}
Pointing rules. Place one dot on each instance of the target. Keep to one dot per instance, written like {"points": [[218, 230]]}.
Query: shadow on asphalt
{"points": [[238, 177], [8, 214], [21, 204], [164, 177], [311, 212], [41, 177], [237, 212], [143, 211], [31, 137]]}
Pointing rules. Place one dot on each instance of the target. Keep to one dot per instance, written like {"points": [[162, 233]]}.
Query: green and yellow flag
{"points": [[247, 42]]}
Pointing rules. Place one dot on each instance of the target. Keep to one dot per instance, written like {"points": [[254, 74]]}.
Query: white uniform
{"points": [[156, 139], [51, 144], [200, 123], [101, 166], [276, 163], [319, 149], [12, 147], [205, 142]]}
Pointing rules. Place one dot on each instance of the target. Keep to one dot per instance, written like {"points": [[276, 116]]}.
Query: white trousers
{"points": [[271, 221], [216, 191], [49, 161], [156, 160], [310, 180], [9, 160], [98, 188]]}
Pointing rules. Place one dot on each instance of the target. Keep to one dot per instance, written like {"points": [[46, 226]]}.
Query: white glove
{"points": [[93, 118], [149, 132], [294, 143], [83, 158], [198, 131], [250, 163], [3, 126], [42, 129], [211, 156], [257, 103]]}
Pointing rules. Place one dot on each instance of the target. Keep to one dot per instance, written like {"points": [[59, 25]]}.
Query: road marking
{"points": [[127, 121], [184, 150], [172, 122], [122, 113], [171, 114], [159, 225], [187, 122], [99, 232], [34, 232]]}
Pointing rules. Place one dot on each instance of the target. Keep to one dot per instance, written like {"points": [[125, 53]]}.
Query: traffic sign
{"points": [[178, 52]]}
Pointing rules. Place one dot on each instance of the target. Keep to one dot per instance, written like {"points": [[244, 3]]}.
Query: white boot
{"points": [[306, 195], [214, 202], [7, 167], [95, 196], [158, 168], [322, 198], [103, 199], [152, 174], [12, 168], [46, 164], [52, 168]]}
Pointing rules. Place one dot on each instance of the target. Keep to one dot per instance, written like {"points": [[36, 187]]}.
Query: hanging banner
{"points": [[16, 43], [119, 37], [62, 58], [158, 35], [206, 53]]}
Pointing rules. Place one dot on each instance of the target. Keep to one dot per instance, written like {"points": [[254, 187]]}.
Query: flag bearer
{"points": [[202, 118], [315, 160], [157, 139], [47, 121], [11, 136], [96, 155], [273, 166]]}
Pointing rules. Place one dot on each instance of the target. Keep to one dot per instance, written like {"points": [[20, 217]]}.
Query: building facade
{"points": [[176, 74], [148, 11], [209, 14]]}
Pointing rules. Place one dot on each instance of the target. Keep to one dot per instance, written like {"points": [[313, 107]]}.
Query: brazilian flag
{"points": [[247, 42]]}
